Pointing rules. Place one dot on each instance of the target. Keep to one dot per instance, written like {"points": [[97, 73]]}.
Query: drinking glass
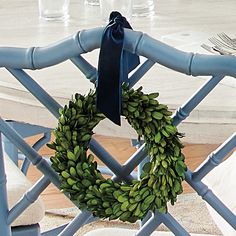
{"points": [[143, 7], [54, 9], [92, 2], [122, 6]]}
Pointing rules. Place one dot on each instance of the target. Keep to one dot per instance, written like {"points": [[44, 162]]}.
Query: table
{"points": [[183, 24]]}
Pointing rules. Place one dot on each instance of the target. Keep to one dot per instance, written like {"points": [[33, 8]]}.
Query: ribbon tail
{"points": [[108, 94], [113, 68]]}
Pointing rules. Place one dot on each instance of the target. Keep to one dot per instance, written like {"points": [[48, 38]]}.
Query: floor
{"points": [[120, 148], [183, 24]]}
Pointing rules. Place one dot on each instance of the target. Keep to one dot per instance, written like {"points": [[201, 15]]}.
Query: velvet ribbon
{"points": [[113, 67]]}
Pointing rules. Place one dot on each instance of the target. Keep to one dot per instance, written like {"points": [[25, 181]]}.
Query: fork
{"points": [[228, 40], [221, 44], [216, 50], [210, 49], [224, 45], [226, 49]]}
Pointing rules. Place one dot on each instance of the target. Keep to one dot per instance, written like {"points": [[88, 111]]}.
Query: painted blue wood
{"points": [[108, 160], [5, 228], [29, 197], [36, 146], [34, 157], [173, 225], [35, 89], [43, 140], [16, 57], [46, 100], [135, 159], [146, 219], [90, 72], [211, 199], [55, 231], [106, 171], [184, 111], [36, 160], [155, 220], [52, 55], [86, 68], [213, 65], [215, 158], [135, 42], [156, 52], [149, 225], [28, 230], [142, 44], [77, 222], [25, 130], [140, 72], [37, 57]]}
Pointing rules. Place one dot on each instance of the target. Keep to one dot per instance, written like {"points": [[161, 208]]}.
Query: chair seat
{"points": [[221, 181], [17, 185]]}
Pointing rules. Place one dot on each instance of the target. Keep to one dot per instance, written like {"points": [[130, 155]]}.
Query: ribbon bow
{"points": [[113, 67]]}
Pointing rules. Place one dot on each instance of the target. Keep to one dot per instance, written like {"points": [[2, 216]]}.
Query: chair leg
{"points": [[28, 230], [4, 227]]}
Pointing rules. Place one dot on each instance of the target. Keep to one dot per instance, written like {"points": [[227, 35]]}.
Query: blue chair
{"points": [[18, 186], [25, 130], [15, 60]]}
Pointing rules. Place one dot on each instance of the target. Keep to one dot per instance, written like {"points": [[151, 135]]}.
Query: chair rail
{"points": [[17, 59], [135, 42]]}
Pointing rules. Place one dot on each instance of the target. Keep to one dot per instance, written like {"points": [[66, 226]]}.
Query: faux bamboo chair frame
{"points": [[17, 59]]}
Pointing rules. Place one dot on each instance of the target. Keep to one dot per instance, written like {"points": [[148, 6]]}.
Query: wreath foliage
{"points": [[161, 180]]}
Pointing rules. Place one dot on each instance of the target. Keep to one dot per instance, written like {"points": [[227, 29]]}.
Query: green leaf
{"points": [[71, 156], [147, 167], [157, 137]]}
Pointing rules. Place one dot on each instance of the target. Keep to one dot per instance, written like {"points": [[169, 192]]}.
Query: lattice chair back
{"points": [[15, 60]]}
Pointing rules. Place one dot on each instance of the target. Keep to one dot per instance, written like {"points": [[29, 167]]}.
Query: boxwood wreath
{"points": [[161, 180]]}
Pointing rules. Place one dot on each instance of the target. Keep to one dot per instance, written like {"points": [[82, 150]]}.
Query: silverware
{"points": [[209, 49], [227, 39], [223, 45], [219, 43], [217, 50]]}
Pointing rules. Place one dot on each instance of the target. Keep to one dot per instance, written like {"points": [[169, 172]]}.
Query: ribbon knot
{"points": [[113, 67]]}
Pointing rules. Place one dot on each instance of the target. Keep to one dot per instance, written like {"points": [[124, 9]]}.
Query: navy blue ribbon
{"points": [[113, 67]]}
